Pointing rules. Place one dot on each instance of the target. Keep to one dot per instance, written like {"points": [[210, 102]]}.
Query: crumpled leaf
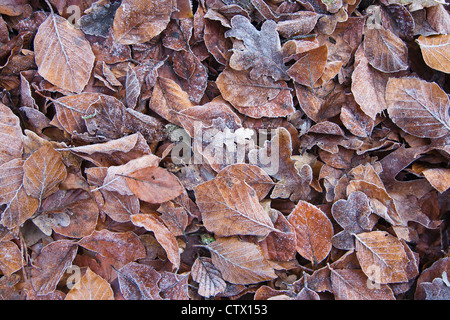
{"points": [[259, 51]]}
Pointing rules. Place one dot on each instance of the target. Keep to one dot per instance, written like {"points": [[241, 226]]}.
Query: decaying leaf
{"points": [[63, 55], [418, 107], [208, 277], [314, 231], [139, 282], [240, 262], [91, 287]]}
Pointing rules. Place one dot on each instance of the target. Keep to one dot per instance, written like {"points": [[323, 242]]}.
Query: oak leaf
{"points": [[259, 51]]}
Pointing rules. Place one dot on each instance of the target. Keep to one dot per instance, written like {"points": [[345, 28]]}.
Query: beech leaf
{"points": [[63, 55], [435, 51], [91, 287]]}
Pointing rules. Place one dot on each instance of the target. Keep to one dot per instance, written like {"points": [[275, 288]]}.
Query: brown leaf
{"points": [[439, 178], [162, 235], [418, 107], [122, 246], [352, 284], [382, 257], [139, 282], [240, 262], [385, 51], [435, 51], [275, 159], [11, 135], [368, 86], [280, 245], [355, 216], [11, 258], [43, 172], [63, 56], [229, 206], [174, 286], [154, 184], [309, 66], [259, 51], [19, 206], [208, 277], [314, 231], [91, 287], [168, 99], [50, 265], [258, 98], [139, 21]]}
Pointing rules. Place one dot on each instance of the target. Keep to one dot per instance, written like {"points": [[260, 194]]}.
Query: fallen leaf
{"points": [[139, 282], [63, 55], [411, 98], [50, 265], [139, 21], [154, 184], [435, 51], [259, 51], [208, 277], [91, 287], [439, 178], [162, 235], [314, 231], [44, 170], [385, 51], [240, 262], [122, 246], [309, 67], [11, 142], [229, 206], [11, 258], [382, 257]]}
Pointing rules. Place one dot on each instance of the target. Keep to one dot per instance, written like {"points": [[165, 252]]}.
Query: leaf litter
{"points": [[224, 150]]}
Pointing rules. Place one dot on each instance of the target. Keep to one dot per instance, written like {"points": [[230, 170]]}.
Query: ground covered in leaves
{"points": [[224, 149]]}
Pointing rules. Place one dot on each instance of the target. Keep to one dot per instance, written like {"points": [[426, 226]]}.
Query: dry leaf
{"points": [[229, 206], [43, 172], [435, 51], [91, 287], [162, 235], [382, 257], [139, 282], [63, 55], [240, 262], [50, 265], [154, 184], [309, 67], [385, 51], [11, 135], [410, 99], [140, 21], [314, 231], [11, 258], [208, 277], [122, 246], [259, 51]]}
